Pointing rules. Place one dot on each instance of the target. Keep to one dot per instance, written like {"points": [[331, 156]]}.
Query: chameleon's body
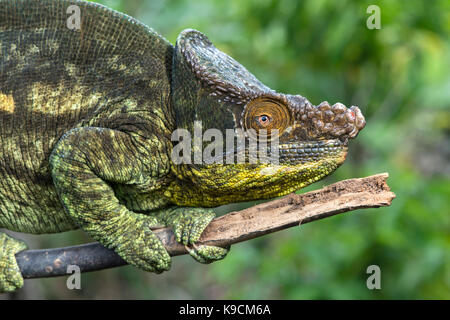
{"points": [[86, 118]]}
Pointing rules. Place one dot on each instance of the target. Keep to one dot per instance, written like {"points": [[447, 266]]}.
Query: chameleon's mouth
{"points": [[294, 153], [312, 151]]}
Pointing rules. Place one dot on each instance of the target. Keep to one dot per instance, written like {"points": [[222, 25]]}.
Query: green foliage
{"points": [[399, 77]]}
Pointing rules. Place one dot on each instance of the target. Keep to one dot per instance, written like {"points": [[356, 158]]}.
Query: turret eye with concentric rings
{"points": [[267, 114]]}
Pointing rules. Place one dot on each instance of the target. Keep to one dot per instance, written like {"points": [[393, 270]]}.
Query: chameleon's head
{"points": [[212, 89]]}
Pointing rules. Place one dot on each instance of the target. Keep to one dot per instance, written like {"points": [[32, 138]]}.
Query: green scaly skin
{"points": [[86, 118], [10, 276]]}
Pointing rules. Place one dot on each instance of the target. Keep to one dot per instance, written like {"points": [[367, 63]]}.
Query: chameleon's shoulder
{"points": [[81, 30]]}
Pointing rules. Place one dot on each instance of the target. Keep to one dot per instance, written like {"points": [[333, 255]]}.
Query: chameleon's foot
{"points": [[145, 250], [190, 223], [207, 254], [10, 276], [188, 227]]}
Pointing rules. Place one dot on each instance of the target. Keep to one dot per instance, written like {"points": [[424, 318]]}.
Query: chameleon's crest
{"points": [[210, 84], [224, 77]]}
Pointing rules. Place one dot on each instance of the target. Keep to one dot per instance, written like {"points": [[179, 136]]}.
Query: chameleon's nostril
{"points": [[350, 116]]}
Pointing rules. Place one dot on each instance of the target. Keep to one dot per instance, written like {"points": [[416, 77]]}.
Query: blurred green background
{"points": [[398, 76]]}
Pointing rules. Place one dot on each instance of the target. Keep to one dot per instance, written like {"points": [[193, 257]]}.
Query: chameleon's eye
{"points": [[264, 120], [266, 113]]}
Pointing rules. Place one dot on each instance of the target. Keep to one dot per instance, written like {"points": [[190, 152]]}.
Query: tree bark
{"points": [[234, 227]]}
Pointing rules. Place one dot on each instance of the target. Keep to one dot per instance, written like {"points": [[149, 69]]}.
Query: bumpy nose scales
{"points": [[338, 108], [330, 121], [346, 123], [350, 116], [360, 121]]}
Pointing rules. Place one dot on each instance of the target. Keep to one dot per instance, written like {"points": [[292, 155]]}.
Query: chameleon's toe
{"points": [[10, 276], [151, 259], [157, 261], [146, 252], [189, 226], [207, 254]]}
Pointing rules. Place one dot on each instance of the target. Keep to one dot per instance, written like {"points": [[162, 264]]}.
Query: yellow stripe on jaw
{"points": [[7, 103], [214, 185]]}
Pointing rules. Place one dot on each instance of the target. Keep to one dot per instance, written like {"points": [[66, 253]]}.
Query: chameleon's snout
{"points": [[355, 120], [338, 120], [326, 121]]}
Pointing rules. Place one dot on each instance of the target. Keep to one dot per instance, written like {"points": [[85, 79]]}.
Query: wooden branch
{"points": [[234, 227]]}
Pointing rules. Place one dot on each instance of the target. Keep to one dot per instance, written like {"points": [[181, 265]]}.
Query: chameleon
{"points": [[87, 117]]}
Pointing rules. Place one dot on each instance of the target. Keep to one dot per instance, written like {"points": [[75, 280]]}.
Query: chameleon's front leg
{"points": [[10, 276], [188, 224], [84, 163]]}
